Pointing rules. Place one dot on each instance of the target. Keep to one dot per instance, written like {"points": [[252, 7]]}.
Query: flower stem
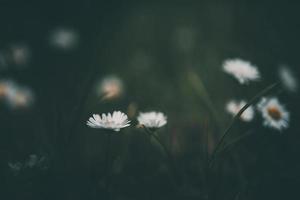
{"points": [[237, 116], [228, 146], [107, 165], [200, 89], [170, 159]]}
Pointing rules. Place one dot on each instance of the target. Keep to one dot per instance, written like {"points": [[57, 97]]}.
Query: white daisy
{"points": [[242, 70], [288, 79], [152, 119], [233, 107], [64, 39], [114, 121], [110, 87], [274, 114]]}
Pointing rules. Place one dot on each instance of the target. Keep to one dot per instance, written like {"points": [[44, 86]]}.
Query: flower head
{"points": [[19, 97], [14, 95], [233, 107], [242, 70], [288, 79], [114, 121], [110, 87], [152, 119], [64, 39], [273, 113]]}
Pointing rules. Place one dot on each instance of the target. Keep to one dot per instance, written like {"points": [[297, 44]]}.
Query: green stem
{"points": [[107, 164], [235, 141], [202, 92], [170, 159], [237, 116]]}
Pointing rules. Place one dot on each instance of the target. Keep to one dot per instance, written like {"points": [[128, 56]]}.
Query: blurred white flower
{"points": [[273, 113], [288, 79], [63, 38], [19, 54], [37, 161], [32, 161], [19, 97], [14, 95], [15, 167], [110, 87], [242, 70], [152, 119], [233, 107], [114, 121], [4, 87]]}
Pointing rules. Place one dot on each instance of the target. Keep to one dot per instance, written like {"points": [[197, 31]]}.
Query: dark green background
{"points": [[137, 42]]}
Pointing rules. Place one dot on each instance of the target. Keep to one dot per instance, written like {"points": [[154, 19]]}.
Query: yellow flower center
{"points": [[274, 113]]}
